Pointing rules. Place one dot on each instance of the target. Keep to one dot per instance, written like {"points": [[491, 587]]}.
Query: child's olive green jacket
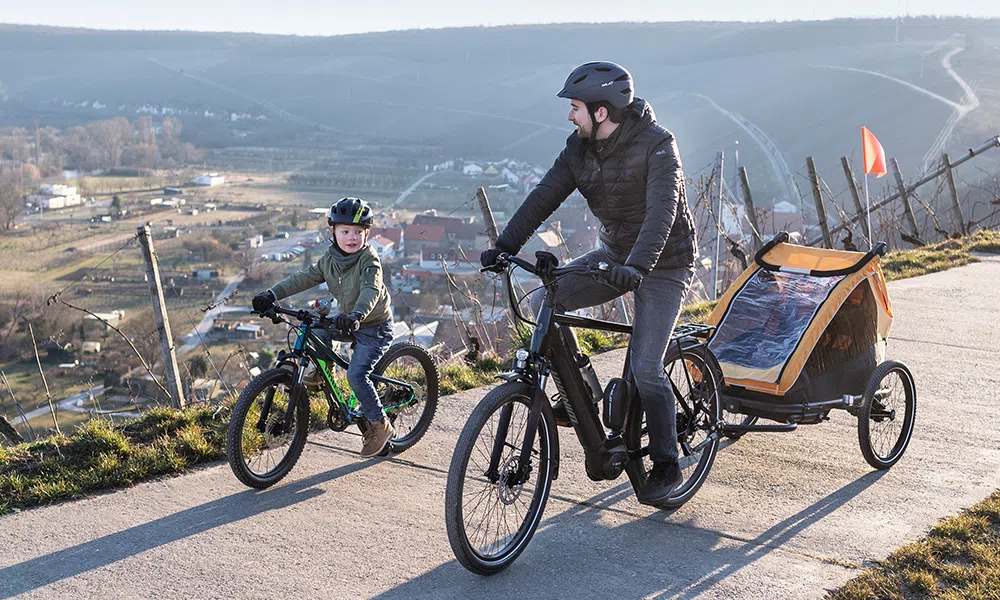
{"points": [[355, 281]]}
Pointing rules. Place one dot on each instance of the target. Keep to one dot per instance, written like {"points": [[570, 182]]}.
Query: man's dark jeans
{"points": [[657, 307]]}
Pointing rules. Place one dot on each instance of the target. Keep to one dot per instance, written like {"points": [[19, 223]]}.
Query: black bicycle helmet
{"points": [[350, 211], [599, 81]]}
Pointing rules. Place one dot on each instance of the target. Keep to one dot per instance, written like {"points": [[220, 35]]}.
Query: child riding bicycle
{"points": [[352, 271]]}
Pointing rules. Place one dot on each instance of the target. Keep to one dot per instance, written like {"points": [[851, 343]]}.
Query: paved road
{"points": [[72, 403], [414, 186], [781, 515], [782, 173]]}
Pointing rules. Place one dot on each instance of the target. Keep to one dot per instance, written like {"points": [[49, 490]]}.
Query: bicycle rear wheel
{"points": [[699, 412], [410, 417], [885, 422], [491, 516]]}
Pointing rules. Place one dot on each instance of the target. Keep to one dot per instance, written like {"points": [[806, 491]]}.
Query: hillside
{"points": [[488, 92]]}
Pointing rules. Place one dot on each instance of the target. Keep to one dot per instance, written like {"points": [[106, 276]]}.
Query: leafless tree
{"points": [[11, 199], [110, 137]]}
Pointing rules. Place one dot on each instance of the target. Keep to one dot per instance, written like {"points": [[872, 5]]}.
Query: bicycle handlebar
{"points": [[504, 260], [305, 316]]}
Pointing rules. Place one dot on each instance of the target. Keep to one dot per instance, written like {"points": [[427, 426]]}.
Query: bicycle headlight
{"points": [[521, 358]]}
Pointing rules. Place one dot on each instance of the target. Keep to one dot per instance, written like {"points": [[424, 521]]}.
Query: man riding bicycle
{"points": [[628, 168]]}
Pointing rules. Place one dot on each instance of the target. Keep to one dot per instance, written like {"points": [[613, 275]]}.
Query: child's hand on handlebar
{"points": [[263, 301]]}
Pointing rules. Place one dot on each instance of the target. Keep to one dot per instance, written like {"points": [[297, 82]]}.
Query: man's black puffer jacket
{"points": [[634, 185]]}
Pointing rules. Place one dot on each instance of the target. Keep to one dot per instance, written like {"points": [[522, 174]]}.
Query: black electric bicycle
{"points": [[271, 418], [508, 452]]}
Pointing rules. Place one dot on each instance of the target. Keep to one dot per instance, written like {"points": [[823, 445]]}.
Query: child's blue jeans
{"points": [[372, 342]]}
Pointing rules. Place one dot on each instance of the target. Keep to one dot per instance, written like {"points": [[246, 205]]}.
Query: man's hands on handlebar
{"points": [[625, 278], [490, 257]]}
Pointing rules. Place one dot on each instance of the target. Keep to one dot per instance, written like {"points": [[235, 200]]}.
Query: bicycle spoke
{"points": [[495, 511]]}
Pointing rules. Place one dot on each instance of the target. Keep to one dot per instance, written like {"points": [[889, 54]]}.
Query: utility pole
{"points": [[852, 185], [721, 158], [38, 147], [904, 195], [491, 224], [955, 206], [170, 370], [751, 210], [824, 226]]}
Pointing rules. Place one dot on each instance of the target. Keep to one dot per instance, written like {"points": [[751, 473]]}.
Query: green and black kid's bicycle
{"points": [[270, 420]]}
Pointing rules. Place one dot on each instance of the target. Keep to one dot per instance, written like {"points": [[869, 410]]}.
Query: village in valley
{"points": [[221, 236]]}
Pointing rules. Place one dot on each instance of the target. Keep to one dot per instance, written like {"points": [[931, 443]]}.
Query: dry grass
{"points": [[958, 560], [985, 241], [102, 455], [942, 256]]}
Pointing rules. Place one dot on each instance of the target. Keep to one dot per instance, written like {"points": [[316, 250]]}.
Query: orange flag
{"points": [[874, 154]]}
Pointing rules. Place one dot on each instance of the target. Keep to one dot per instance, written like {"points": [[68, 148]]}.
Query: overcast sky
{"points": [[331, 17]]}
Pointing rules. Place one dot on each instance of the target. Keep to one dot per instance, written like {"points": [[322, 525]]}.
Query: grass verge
{"points": [[942, 256], [102, 455], [958, 559]]}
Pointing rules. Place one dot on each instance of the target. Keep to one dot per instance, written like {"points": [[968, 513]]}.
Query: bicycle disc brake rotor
{"points": [[274, 440], [400, 395], [509, 494]]}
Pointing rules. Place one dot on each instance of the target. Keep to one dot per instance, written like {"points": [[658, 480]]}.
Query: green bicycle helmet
{"points": [[350, 211]]}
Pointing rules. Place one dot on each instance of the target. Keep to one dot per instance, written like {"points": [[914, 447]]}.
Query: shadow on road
{"points": [[652, 556], [50, 568]]}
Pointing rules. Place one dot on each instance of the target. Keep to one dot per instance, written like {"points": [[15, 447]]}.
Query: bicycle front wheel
{"points": [[491, 514], [263, 442]]}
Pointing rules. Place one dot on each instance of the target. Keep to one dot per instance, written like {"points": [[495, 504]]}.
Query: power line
{"points": [[128, 243], [201, 341]]}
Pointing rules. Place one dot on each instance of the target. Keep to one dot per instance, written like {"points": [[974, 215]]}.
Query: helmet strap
{"points": [[593, 124]]}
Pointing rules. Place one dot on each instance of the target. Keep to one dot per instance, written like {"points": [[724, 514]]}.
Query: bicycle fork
{"points": [[520, 476], [295, 395]]}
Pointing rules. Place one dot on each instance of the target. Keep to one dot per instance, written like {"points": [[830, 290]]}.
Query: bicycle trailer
{"points": [[801, 331]]}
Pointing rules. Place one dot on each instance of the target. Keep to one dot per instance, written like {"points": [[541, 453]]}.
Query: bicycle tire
{"points": [[235, 431]]}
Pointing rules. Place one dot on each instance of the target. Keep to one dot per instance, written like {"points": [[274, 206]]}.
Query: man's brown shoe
{"points": [[376, 438]]}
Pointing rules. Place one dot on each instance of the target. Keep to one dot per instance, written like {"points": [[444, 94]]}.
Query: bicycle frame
{"points": [[553, 351], [309, 346], [315, 347]]}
